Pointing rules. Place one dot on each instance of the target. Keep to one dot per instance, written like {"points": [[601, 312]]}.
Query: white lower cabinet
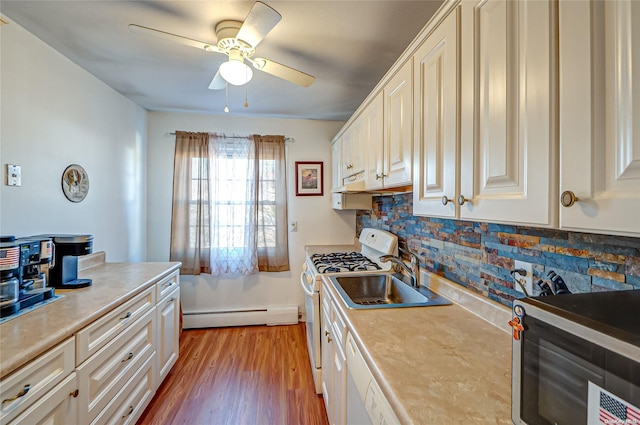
{"points": [[130, 402], [333, 362], [102, 376], [168, 325], [107, 373], [36, 381], [57, 407]]}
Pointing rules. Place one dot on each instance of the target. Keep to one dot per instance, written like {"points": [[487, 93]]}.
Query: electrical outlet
{"points": [[526, 280], [294, 226]]}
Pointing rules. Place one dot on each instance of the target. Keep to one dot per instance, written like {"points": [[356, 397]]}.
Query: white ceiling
{"points": [[347, 45]]}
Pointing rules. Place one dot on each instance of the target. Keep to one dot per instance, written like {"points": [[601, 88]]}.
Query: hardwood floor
{"points": [[239, 376]]}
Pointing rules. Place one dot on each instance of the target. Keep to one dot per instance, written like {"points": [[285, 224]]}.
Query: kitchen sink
{"points": [[383, 291]]}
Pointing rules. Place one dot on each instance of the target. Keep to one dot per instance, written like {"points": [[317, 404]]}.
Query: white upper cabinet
{"points": [[373, 125], [600, 116], [353, 155], [398, 128], [336, 164], [508, 136], [436, 126]]}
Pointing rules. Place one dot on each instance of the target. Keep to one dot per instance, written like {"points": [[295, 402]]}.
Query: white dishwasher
{"points": [[365, 402]]}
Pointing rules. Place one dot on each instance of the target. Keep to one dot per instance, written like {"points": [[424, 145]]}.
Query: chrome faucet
{"points": [[413, 270]]}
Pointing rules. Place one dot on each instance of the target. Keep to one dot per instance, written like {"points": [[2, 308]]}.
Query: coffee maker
{"points": [[23, 273], [9, 275], [67, 249]]}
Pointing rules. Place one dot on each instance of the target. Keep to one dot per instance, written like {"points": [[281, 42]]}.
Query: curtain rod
{"points": [[286, 139]]}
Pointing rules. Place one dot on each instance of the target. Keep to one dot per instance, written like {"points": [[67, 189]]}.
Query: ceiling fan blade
{"points": [[260, 20], [283, 71], [175, 38], [218, 83]]}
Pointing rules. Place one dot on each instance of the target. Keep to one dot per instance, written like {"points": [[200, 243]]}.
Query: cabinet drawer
{"points": [[105, 374], [132, 399], [166, 285], [338, 324], [57, 407], [38, 377], [99, 333]]}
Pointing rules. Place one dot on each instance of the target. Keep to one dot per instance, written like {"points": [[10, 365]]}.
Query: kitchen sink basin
{"points": [[383, 291]]}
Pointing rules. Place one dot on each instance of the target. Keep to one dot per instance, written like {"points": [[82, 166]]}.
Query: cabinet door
{"points": [[398, 132], [436, 127], [168, 320], [57, 407], [326, 343], [352, 149], [508, 135], [374, 136], [339, 385], [600, 115], [336, 163]]}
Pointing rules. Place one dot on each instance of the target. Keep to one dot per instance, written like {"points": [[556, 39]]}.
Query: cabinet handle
{"points": [[168, 284], [446, 200], [22, 393], [128, 413], [126, 316], [462, 200], [568, 198], [170, 300], [129, 357], [378, 176], [326, 333], [329, 339], [74, 394]]}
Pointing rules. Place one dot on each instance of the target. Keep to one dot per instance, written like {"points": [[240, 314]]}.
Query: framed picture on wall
{"points": [[309, 178]]}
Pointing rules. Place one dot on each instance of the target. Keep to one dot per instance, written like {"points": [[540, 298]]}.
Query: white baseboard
{"points": [[271, 315]]}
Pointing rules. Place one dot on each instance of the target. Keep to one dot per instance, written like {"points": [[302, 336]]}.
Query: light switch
{"points": [[14, 175]]}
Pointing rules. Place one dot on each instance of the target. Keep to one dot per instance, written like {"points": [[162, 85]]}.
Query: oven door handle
{"points": [[306, 290]]}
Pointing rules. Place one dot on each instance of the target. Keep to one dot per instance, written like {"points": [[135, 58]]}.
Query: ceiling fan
{"points": [[238, 40]]}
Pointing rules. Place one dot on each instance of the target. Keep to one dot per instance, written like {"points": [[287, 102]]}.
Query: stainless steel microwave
{"points": [[576, 359]]}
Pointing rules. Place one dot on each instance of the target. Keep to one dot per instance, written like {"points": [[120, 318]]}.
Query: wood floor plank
{"points": [[251, 375]]}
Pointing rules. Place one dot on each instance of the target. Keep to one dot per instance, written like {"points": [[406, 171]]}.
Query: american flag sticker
{"points": [[605, 408]]}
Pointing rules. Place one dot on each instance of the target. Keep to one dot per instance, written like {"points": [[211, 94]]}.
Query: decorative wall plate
{"points": [[75, 183]]}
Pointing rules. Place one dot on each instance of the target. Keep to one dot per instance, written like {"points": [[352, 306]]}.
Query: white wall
{"points": [[52, 114], [317, 222]]}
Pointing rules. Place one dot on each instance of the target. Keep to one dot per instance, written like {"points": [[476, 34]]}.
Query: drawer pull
{"points": [[168, 284], [126, 316], [170, 300], [129, 357], [128, 413], [74, 394], [22, 393]]}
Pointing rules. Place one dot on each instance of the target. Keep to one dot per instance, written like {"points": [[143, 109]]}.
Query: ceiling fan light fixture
{"points": [[236, 72]]}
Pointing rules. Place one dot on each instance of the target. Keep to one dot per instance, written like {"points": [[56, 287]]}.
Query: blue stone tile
{"points": [[611, 284], [565, 262], [503, 228], [633, 280]]}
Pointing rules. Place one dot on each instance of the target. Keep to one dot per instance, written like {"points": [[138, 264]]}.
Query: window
{"points": [[229, 204]]}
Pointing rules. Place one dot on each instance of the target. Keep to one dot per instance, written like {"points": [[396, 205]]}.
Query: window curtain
{"points": [[229, 204], [190, 215], [273, 248]]}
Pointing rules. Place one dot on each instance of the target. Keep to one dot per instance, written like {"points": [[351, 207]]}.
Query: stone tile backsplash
{"points": [[480, 256]]}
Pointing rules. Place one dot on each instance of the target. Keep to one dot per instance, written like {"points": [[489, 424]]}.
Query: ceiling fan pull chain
{"points": [[226, 98]]}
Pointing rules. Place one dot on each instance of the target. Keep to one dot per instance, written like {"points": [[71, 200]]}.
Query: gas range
{"points": [[340, 262]]}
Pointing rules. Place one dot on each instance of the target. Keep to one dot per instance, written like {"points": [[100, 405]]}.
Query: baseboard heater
{"points": [[270, 315]]}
